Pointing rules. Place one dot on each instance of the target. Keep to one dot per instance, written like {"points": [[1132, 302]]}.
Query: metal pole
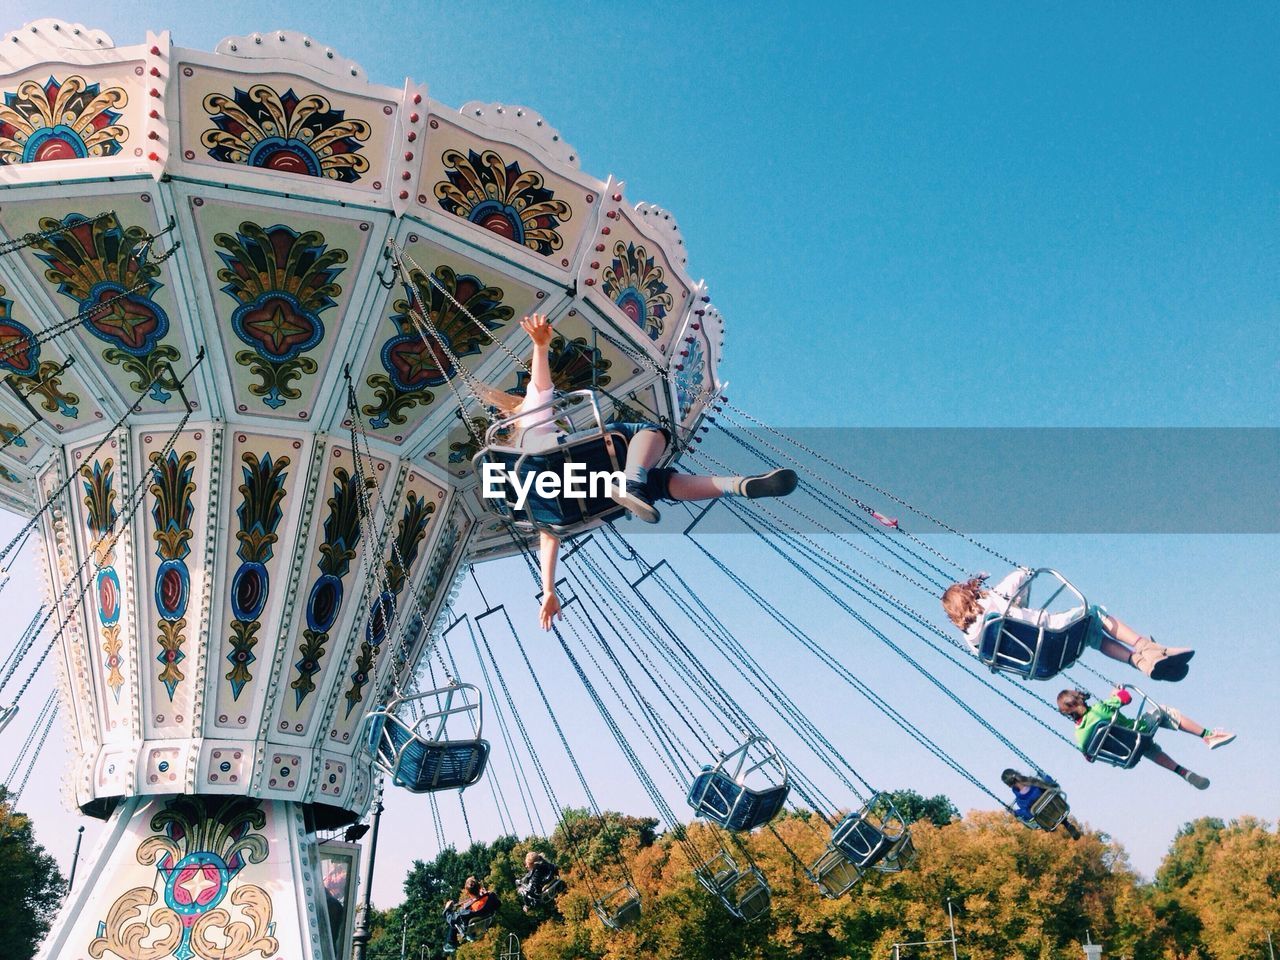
{"points": [[75, 859], [952, 919], [360, 936], [404, 932], [1270, 946]]}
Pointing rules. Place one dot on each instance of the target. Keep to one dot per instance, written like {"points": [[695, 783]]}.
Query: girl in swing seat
{"points": [[646, 445], [970, 606], [1075, 704]]}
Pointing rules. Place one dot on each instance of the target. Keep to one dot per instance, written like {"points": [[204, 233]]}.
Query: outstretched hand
{"points": [[538, 327], [550, 610]]}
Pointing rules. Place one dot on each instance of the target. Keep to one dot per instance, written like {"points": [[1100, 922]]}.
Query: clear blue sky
{"points": [[931, 215]]}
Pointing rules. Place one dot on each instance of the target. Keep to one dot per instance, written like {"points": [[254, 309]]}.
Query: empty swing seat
{"points": [[416, 751], [597, 448], [619, 908], [834, 873], [745, 790], [869, 835], [1039, 642], [899, 856], [744, 893]]}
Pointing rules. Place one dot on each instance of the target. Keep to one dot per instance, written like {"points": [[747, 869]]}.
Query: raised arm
{"points": [[539, 331], [548, 553]]}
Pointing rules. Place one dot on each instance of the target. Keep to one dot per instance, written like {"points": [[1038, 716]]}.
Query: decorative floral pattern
{"points": [[283, 280], [399, 564], [28, 375], [635, 283], [324, 603], [261, 494], [199, 847], [285, 133], [498, 196], [95, 263], [172, 512], [689, 380], [100, 518], [61, 120], [414, 362]]}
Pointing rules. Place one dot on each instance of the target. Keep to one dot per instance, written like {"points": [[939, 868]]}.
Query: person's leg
{"points": [[1160, 758], [646, 447], [1121, 642], [1175, 720]]}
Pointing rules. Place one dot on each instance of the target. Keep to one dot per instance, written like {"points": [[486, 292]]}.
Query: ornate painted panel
{"points": [[697, 359], [60, 112], [103, 495], [268, 123], [387, 604], [281, 283], [475, 181], [262, 502], [199, 878], [636, 276], [407, 374], [104, 270], [37, 377], [331, 579], [174, 574]]}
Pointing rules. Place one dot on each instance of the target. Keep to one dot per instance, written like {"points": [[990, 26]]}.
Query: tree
{"points": [[913, 807], [31, 886]]}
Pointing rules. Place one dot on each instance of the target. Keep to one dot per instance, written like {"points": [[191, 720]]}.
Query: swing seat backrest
{"points": [[1029, 651], [899, 856], [1033, 641], [1116, 744], [863, 842], [598, 452], [425, 766], [716, 796], [834, 873], [619, 907], [1050, 809]]}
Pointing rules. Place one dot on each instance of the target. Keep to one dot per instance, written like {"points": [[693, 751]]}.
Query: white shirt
{"points": [[536, 429]]}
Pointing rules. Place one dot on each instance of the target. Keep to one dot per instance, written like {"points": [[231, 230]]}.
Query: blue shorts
{"points": [[629, 430]]}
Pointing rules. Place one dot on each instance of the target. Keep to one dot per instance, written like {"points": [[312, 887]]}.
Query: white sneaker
{"points": [[1218, 738]]}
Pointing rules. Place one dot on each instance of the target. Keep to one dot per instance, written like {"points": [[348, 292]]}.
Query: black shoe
{"points": [[775, 483], [634, 499]]}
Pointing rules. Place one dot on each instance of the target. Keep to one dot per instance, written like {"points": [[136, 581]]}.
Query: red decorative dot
{"points": [[406, 175], [595, 264], [617, 198], [153, 157], [599, 248], [612, 215], [412, 136], [155, 93], [417, 99], [591, 282], [154, 114], [413, 118], [408, 154], [154, 71], [153, 135], [404, 194], [155, 51]]}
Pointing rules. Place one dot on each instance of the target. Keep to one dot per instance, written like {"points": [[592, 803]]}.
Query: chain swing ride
{"points": [[245, 405]]}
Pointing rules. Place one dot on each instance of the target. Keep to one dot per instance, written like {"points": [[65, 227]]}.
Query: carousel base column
{"points": [[198, 878]]}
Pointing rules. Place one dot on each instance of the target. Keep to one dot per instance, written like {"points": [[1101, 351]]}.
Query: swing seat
{"points": [[744, 893], [834, 873], [1041, 647], [473, 930], [1050, 809], [7, 714], [596, 447], [745, 790], [537, 897], [867, 836], [619, 908], [900, 856], [416, 752], [1121, 742]]}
